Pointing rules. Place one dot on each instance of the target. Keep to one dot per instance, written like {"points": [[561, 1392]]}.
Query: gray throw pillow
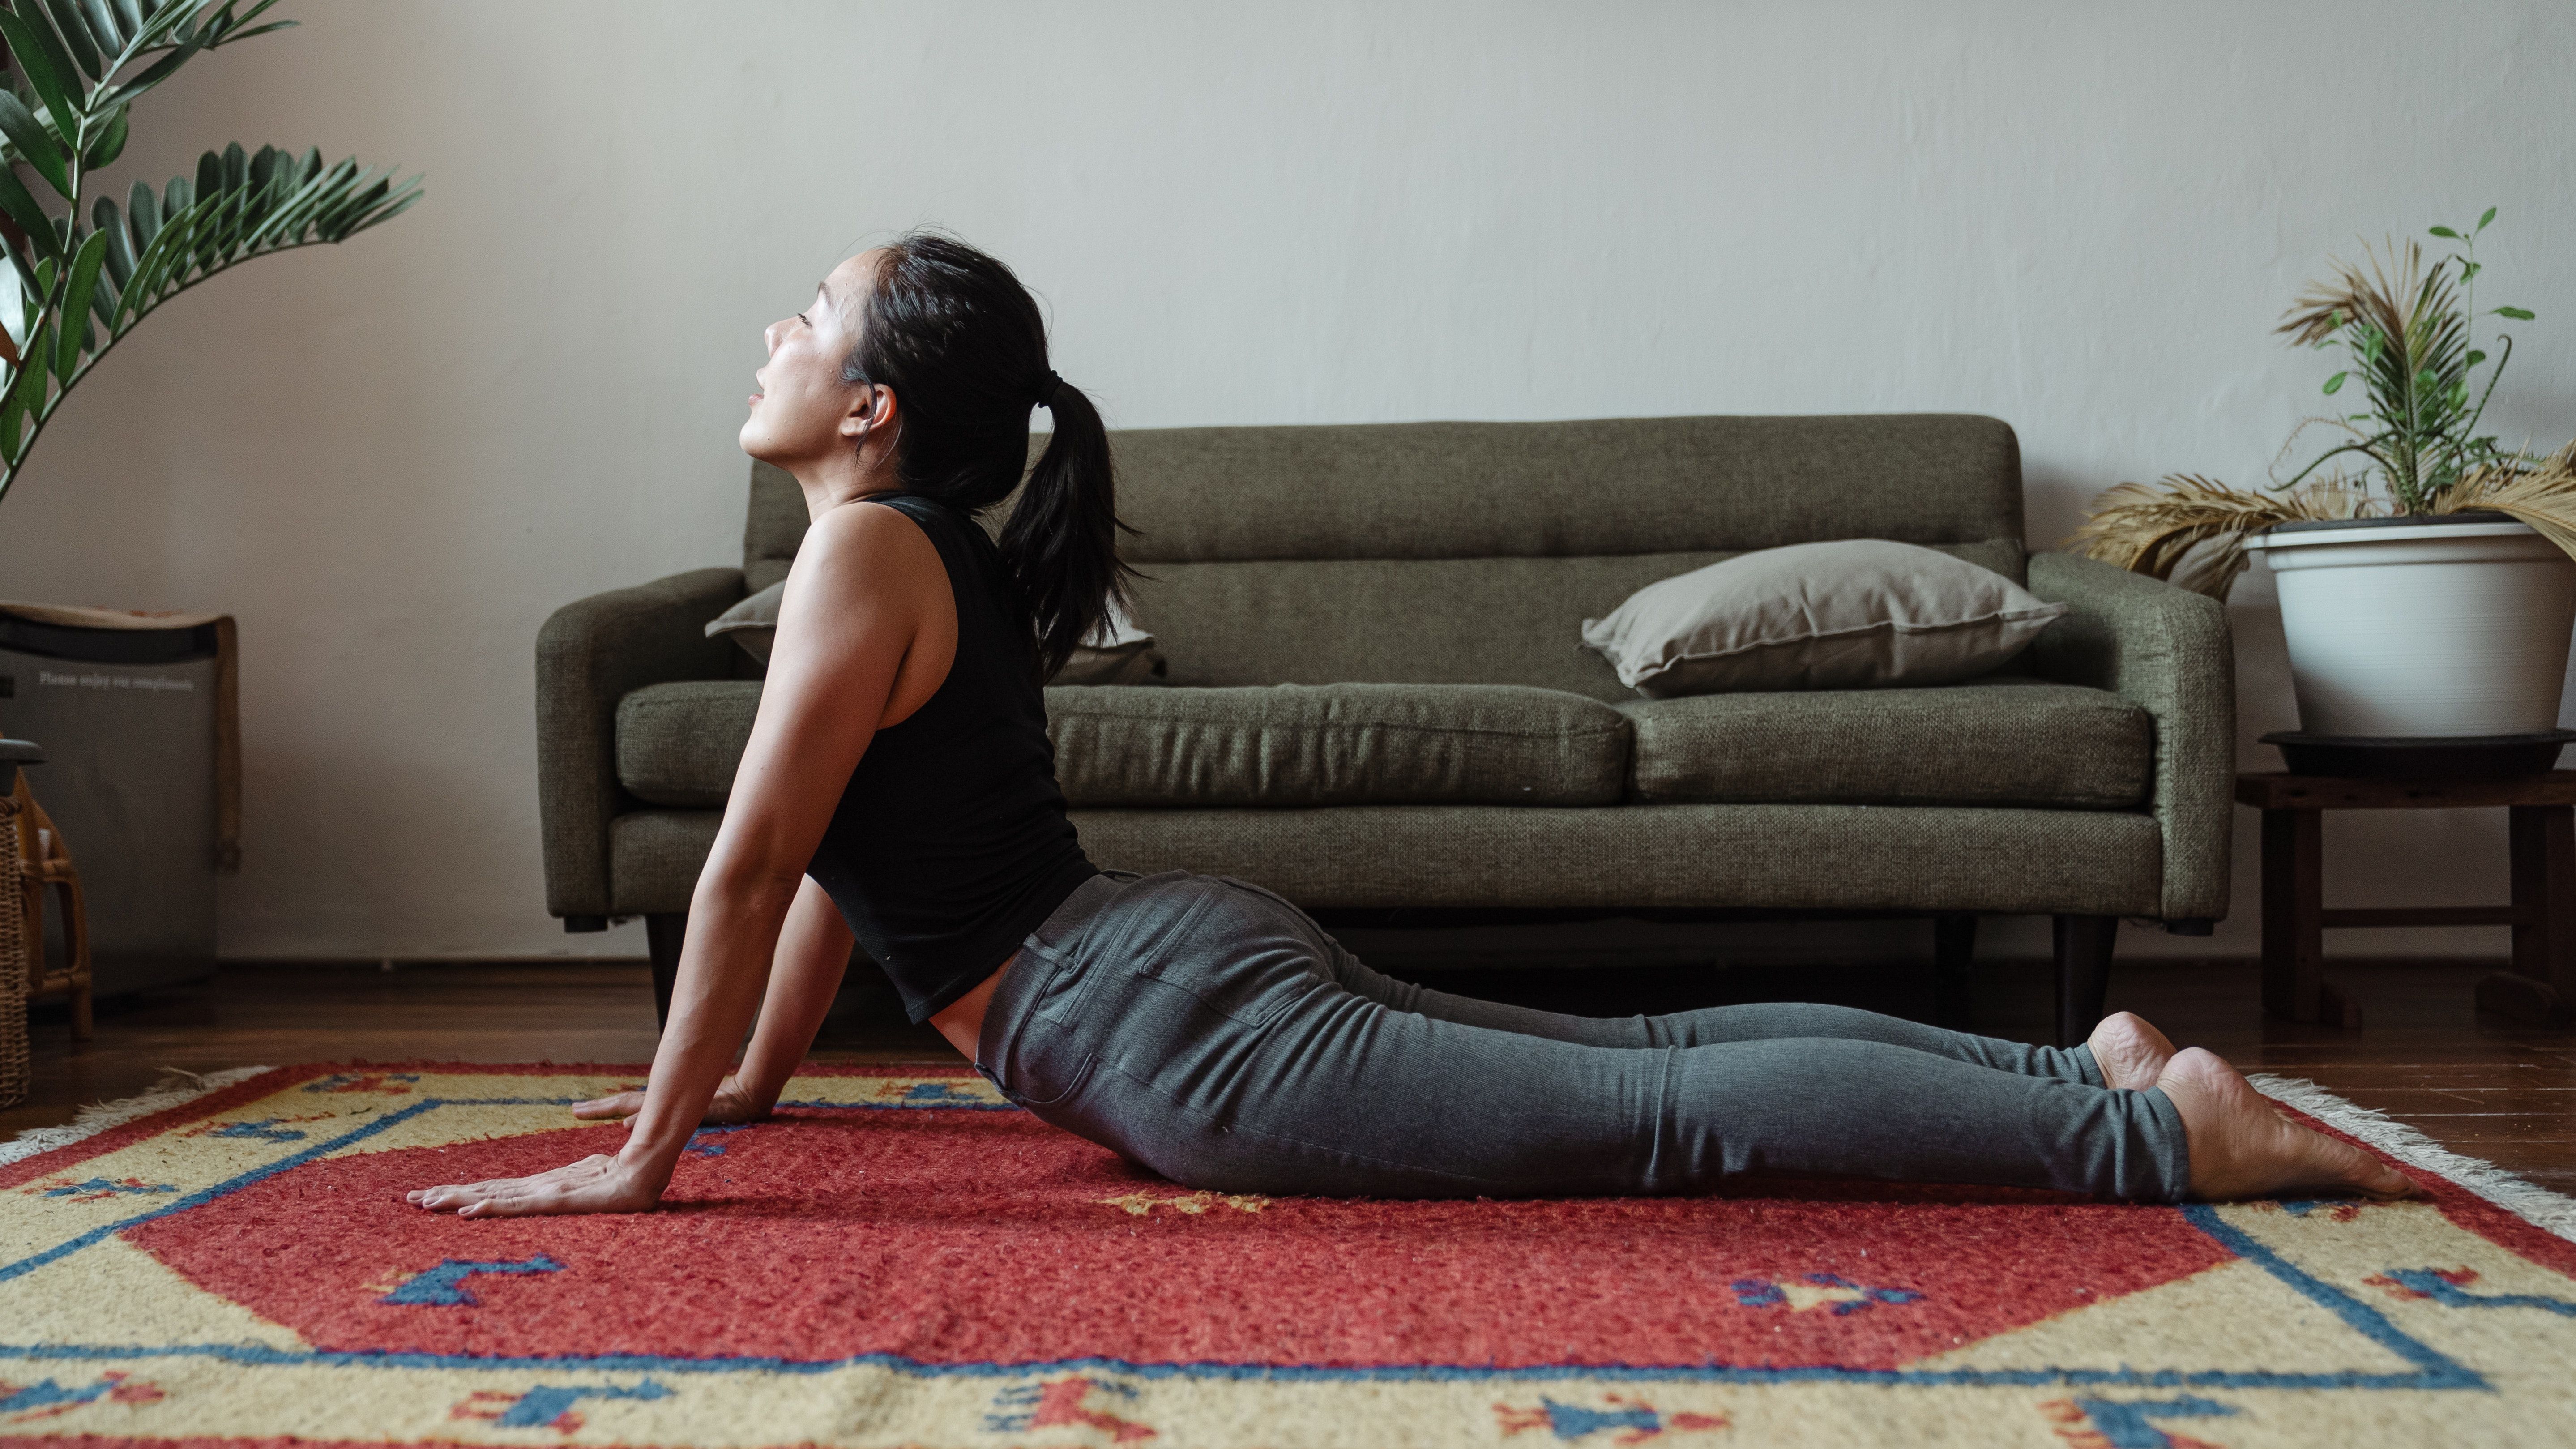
{"points": [[1841, 615], [1116, 652]]}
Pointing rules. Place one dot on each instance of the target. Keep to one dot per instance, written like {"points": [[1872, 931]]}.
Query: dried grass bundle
{"points": [[2191, 531], [2543, 496]]}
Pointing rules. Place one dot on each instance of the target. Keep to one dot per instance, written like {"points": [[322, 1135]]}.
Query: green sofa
{"points": [[1377, 704]]}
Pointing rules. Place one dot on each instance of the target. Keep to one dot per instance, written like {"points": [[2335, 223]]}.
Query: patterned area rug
{"points": [[902, 1259]]}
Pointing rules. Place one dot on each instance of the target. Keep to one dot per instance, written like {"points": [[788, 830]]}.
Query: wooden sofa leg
{"points": [[2083, 973], [663, 933], [1954, 970]]}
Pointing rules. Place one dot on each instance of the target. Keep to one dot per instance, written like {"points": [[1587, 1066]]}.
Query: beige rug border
{"points": [[175, 1089], [2549, 1211]]}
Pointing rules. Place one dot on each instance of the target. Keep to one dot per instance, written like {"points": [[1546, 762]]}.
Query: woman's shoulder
{"points": [[861, 545]]}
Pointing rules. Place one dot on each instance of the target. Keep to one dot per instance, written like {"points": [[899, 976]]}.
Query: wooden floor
{"points": [[2485, 1088]]}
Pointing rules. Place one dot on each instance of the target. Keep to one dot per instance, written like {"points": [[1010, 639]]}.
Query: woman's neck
{"points": [[829, 483]]}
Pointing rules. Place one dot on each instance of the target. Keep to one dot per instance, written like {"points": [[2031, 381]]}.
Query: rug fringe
{"points": [[2549, 1211], [176, 1088]]}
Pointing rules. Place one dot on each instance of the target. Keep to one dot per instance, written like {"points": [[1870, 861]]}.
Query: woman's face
{"points": [[804, 412]]}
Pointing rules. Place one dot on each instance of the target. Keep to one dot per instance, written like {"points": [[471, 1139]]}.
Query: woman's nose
{"points": [[769, 338]]}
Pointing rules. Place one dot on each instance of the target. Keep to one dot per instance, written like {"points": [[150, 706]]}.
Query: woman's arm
{"points": [[813, 955], [866, 629]]}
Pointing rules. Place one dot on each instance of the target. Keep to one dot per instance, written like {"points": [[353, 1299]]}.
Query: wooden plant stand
{"points": [[2541, 987]]}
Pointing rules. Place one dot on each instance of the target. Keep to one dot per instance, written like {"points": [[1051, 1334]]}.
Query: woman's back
{"points": [[950, 843]]}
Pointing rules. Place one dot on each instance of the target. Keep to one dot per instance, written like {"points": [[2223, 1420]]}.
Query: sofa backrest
{"points": [[1472, 552]]}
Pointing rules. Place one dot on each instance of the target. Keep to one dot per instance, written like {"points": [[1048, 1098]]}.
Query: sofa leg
{"points": [[1954, 970], [2083, 973], [663, 932]]}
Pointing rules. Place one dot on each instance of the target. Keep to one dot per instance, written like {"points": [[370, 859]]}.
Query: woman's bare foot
{"points": [[2130, 1053], [2241, 1147]]}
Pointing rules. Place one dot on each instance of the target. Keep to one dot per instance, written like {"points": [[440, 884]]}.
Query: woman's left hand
{"points": [[596, 1184]]}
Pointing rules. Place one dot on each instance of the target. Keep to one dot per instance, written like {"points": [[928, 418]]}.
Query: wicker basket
{"points": [[14, 962]]}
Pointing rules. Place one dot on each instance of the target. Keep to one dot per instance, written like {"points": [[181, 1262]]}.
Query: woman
{"points": [[898, 790]]}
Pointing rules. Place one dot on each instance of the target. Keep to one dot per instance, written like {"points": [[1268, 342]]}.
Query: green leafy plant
{"points": [[2405, 330], [76, 69]]}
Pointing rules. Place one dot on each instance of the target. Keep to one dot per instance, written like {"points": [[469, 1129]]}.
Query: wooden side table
{"points": [[2541, 987]]}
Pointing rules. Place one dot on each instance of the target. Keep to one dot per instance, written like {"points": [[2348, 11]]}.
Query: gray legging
{"points": [[1208, 1030]]}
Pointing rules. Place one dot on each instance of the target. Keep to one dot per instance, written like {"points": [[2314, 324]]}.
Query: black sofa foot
{"points": [[2084, 946], [663, 932], [1954, 971]]}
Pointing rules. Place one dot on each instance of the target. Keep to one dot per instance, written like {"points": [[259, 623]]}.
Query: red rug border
{"points": [[224, 1099]]}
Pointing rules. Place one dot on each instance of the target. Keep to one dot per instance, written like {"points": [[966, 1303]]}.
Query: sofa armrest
{"points": [[2167, 650], [590, 654]]}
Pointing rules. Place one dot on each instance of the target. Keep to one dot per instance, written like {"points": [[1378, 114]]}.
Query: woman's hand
{"points": [[596, 1184], [732, 1103]]}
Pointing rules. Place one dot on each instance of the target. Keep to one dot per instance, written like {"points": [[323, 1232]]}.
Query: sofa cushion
{"points": [[1850, 613], [1997, 741], [678, 744], [1336, 744]]}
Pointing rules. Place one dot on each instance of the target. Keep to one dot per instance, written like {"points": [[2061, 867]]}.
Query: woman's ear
{"points": [[871, 415]]}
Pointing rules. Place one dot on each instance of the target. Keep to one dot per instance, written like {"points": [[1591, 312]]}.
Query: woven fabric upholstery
{"points": [[1766, 857], [590, 655], [679, 743], [1429, 621], [1468, 554], [772, 527], [657, 855], [2168, 651], [1999, 741], [1563, 489], [1774, 857], [1528, 490], [1343, 744]]}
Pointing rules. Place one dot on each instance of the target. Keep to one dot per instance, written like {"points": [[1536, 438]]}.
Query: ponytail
{"points": [[960, 342], [1061, 542]]}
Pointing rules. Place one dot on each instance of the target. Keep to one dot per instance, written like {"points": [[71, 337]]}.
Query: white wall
{"points": [[393, 459]]}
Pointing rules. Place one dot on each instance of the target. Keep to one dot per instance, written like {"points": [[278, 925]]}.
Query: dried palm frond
{"points": [[2190, 531], [2322, 308], [2542, 495]]}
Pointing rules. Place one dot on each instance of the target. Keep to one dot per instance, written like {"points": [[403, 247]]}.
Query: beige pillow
{"points": [[1117, 652], [1842, 615]]}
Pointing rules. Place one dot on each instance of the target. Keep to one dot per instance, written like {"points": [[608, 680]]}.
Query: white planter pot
{"points": [[2406, 629]]}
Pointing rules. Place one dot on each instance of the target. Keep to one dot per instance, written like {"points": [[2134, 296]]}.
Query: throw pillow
{"points": [[1116, 651], [1842, 615]]}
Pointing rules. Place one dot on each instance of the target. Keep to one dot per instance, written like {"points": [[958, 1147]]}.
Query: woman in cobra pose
{"points": [[898, 790]]}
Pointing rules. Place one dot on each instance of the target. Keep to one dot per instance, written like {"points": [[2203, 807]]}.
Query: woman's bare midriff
{"points": [[962, 1020]]}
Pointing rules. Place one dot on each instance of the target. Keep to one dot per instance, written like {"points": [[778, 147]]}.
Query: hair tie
{"points": [[1047, 387]]}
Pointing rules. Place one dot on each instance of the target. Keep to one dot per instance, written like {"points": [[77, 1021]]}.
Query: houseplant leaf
{"points": [[41, 60], [74, 31], [110, 143], [31, 218], [84, 282], [35, 143]]}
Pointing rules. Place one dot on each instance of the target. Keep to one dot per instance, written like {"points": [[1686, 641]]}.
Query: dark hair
{"points": [[959, 341]]}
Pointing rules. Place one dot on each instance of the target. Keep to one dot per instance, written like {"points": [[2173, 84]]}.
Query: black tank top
{"points": [[951, 843]]}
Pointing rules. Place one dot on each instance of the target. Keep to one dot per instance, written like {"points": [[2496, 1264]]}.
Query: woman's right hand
{"points": [[733, 1103]]}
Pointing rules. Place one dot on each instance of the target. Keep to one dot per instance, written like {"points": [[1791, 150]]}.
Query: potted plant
{"points": [[76, 68], [83, 271], [2427, 573]]}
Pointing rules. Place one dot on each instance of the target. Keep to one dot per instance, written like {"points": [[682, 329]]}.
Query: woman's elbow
{"points": [[744, 881]]}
